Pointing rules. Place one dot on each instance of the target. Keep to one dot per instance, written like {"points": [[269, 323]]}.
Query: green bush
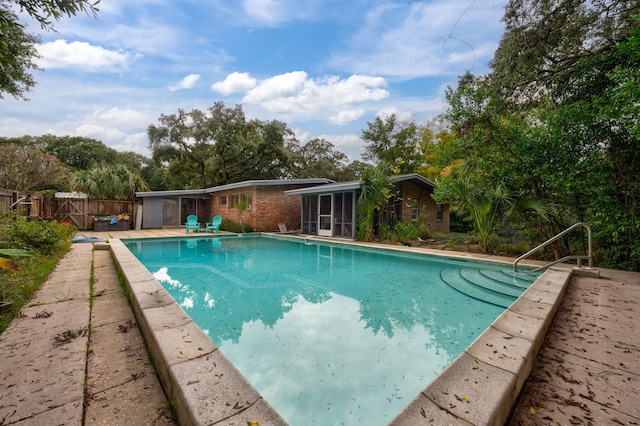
{"points": [[231, 226], [458, 241], [31, 233], [386, 233], [616, 241], [406, 231], [517, 249]]}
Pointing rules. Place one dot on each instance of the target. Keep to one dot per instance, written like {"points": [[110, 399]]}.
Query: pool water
{"points": [[327, 333]]}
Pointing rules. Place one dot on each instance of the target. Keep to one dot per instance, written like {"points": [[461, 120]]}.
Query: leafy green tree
{"points": [[108, 182], [375, 192], [136, 163], [440, 148], [486, 206], [77, 152], [355, 170], [555, 119], [547, 42], [26, 169], [392, 140], [220, 146], [319, 159], [620, 101], [17, 52], [17, 46]]}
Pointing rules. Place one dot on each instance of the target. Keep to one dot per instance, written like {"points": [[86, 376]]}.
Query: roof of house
{"points": [[172, 193], [245, 184], [273, 182], [328, 188], [414, 178]]}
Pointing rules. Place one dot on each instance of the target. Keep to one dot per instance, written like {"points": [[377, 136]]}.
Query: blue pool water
{"points": [[328, 334]]}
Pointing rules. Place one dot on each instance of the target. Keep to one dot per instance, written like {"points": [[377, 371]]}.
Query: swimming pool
{"points": [[326, 333]]}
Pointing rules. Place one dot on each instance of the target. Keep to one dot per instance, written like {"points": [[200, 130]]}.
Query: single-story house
{"points": [[314, 206], [266, 203], [330, 210]]}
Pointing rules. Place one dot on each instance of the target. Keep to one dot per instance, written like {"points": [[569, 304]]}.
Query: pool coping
{"points": [[480, 386]]}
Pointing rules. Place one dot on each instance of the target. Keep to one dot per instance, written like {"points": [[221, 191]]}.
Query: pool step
{"points": [[476, 277], [456, 280], [507, 276]]}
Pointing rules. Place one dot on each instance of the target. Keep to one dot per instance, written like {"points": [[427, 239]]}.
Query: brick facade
{"points": [[426, 206], [270, 207]]}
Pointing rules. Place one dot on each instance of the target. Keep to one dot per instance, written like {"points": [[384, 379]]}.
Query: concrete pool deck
{"points": [[480, 387]]}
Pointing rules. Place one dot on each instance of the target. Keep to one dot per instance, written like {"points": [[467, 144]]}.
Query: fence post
{"points": [[85, 216]]}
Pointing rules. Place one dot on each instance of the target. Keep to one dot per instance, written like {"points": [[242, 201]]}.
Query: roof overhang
{"points": [[273, 182], [326, 189], [237, 185], [414, 178], [173, 193]]}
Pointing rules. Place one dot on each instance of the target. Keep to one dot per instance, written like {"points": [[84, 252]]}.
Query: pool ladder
{"points": [[579, 258]]}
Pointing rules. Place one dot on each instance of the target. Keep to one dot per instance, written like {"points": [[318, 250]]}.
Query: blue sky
{"points": [[324, 67]]}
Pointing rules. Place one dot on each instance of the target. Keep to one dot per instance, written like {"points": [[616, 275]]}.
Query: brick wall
{"points": [[274, 208], [426, 205], [270, 207]]}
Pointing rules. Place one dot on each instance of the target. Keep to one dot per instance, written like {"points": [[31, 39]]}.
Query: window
{"points": [[223, 200], [415, 211], [241, 198], [439, 213]]}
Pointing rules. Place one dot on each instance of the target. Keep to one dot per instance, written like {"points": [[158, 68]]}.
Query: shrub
{"points": [[459, 241], [231, 226], [18, 286], [406, 231], [386, 233], [31, 233]]}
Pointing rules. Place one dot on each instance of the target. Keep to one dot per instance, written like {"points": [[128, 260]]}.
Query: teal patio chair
{"points": [[192, 223], [214, 225]]}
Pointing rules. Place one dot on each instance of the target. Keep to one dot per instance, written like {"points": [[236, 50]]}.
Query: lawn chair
{"points": [[192, 223], [214, 225]]}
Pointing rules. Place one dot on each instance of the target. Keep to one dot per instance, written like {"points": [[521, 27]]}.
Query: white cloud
{"points": [[186, 83], [295, 92], [349, 144], [236, 82], [137, 142], [98, 132], [347, 116], [275, 12], [278, 87], [119, 117], [60, 54], [302, 135], [424, 39], [267, 11], [386, 112]]}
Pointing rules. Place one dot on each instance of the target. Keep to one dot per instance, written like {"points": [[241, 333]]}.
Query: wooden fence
{"points": [[80, 212]]}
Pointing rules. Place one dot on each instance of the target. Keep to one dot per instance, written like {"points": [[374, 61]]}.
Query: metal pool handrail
{"points": [[588, 256]]}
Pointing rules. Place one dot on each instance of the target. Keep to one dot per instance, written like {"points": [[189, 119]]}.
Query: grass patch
{"points": [[18, 286]]}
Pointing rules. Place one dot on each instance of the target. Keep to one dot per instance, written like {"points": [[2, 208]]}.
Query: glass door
{"points": [[310, 214], [343, 215], [324, 215]]}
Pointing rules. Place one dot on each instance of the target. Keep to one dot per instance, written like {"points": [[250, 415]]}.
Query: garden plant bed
{"points": [[105, 225]]}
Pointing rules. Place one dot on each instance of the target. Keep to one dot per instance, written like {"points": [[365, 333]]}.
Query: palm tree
{"points": [[108, 182], [241, 207], [487, 208], [375, 191]]}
